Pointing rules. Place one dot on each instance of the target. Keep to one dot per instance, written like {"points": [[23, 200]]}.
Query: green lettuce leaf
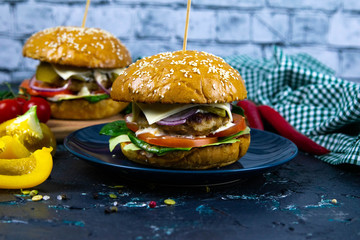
{"points": [[114, 141], [96, 98], [153, 148], [238, 110], [114, 129]]}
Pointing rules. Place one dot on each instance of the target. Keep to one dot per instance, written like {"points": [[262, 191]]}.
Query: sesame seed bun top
{"points": [[179, 77], [77, 46]]}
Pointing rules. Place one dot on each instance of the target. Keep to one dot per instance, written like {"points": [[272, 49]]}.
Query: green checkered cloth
{"points": [[309, 96]]}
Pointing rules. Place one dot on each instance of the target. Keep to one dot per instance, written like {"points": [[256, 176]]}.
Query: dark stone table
{"points": [[303, 199]]}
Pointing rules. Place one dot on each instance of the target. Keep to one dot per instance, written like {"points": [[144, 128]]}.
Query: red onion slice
{"points": [[171, 123], [178, 118], [98, 78], [32, 85]]}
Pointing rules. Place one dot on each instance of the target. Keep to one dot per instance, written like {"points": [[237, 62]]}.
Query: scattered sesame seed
{"points": [[169, 201], [112, 195], [33, 192], [61, 197], [25, 192], [196, 70], [46, 197], [111, 209], [37, 198]]}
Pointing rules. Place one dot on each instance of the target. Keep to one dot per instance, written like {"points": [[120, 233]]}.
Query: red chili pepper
{"points": [[252, 114], [286, 130]]}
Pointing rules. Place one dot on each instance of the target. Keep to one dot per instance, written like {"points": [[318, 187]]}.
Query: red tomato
{"points": [[132, 126], [21, 101], [174, 141], [252, 114], [43, 110], [25, 85], [9, 108], [240, 125]]}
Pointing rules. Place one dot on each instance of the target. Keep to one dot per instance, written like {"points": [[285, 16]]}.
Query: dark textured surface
{"points": [[293, 202]]}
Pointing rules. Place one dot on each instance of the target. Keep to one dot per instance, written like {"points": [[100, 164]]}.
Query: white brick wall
{"points": [[11, 54], [326, 29], [232, 27]]}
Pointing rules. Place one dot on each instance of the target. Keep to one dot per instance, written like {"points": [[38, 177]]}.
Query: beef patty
{"points": [[199, 124]]}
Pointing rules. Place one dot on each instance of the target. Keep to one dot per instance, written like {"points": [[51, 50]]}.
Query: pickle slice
{"points": [[114, 76], [218, 111], [46, 73]]}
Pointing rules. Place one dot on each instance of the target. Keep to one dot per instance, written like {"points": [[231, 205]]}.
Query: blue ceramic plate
{"points": [[266, 152]]}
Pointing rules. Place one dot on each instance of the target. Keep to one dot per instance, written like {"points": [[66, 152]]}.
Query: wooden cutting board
{"points": [[62, 128]]}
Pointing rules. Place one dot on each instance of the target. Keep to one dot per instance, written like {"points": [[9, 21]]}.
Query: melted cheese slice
{"points": [[86, 73], [157, 111], [67, 72]]}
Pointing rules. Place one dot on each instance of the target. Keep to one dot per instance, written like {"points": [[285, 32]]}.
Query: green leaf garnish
{"points": [[238, 110], [152, 148], [96, 98], [114, 129]]}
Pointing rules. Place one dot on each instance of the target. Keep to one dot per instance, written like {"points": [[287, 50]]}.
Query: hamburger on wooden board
{"points": [[76, 71], [182, 116]]}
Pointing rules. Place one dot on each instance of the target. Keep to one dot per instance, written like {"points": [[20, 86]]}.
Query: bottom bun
{"points": [[196, 158], [81, 109]]}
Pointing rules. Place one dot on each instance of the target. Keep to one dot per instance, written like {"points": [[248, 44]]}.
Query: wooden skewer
{"points": [[85, 14], [186, 24]]}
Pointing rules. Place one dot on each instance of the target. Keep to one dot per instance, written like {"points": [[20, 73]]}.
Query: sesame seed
{"points": [[196, 70], [193, 63]]}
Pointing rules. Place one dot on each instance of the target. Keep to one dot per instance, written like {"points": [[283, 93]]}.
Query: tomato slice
{"points": [[239, 125], [175, 141], [25, 84], [131, 125]]}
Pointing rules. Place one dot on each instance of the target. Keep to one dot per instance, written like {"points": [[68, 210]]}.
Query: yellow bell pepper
{"points": [[30, 132], [48, 140], [26, 148], [11, 147], [26, 172]]}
